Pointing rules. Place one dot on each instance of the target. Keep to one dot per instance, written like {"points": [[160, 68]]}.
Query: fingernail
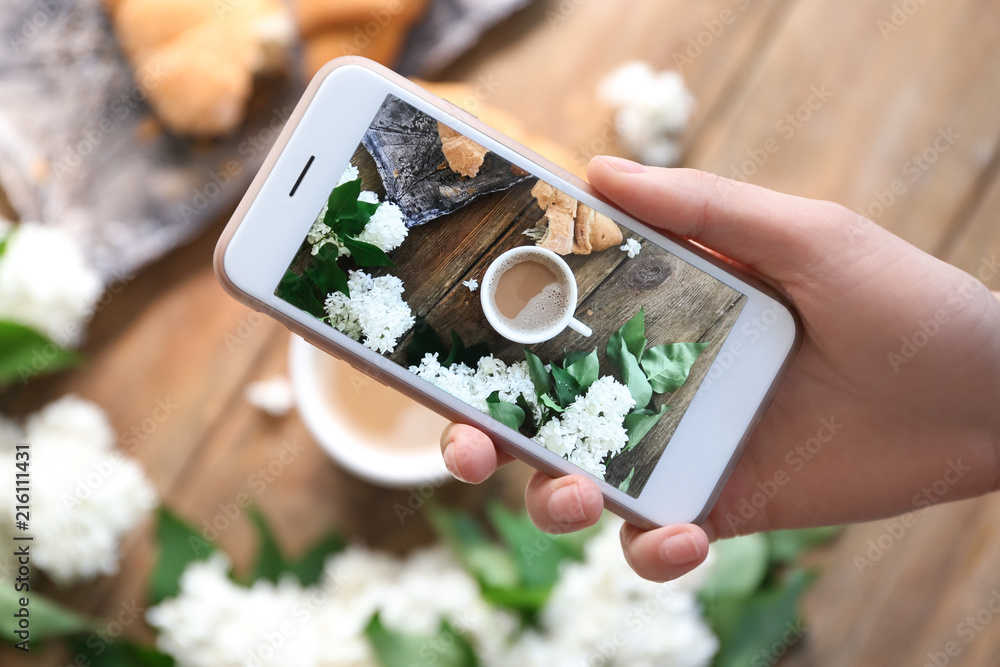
{"points": [[449, 460], [566, 504], [622, 165], [680, 549]]}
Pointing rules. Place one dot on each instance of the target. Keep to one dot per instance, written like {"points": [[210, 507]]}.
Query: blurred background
{"points": [[137, 139]]}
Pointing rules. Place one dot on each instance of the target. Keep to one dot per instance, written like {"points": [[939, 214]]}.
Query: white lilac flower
{"points": [[85, 495], [652, 109], [46, 283], [632, 247], [375, 311], [350, 174], [273, 396], [591, 428], [386, 228], [215, 622], [474, 386], [473, 284], [600, 612]]}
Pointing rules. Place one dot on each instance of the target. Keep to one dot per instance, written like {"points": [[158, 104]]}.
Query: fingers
{"points": [[470, 454], [779, 235], [563, 504], [665, 553]]}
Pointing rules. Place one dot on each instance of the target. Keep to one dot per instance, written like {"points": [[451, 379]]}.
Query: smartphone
{"points": [[397, 232]]}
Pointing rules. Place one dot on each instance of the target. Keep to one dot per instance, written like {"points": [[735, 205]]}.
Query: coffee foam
{"points": [[543, 310]]}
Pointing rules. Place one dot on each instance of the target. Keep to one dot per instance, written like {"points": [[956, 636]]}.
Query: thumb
{"points": [[781, 236]]}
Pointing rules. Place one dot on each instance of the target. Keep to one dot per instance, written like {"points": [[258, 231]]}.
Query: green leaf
{"points": [[640, 422], [24, 352], [529, 413], [342, 204], [573, 357], [506, 413], [270, 563], [528, 601], [3, 242], [474, 353], [365, 254], [457, 349], [741, 564], [325, 274], [667, 366], [537, 555], [585, 370], [489, 564], [178, 545], [633, 377], [627, 482], [767, 619], [119, 653], [309, 568], [447, 648], [567, 387], [550, 403], [787, 545], [48, 618], [300, 292], [633, 335], [424, 341], [539, 376]]}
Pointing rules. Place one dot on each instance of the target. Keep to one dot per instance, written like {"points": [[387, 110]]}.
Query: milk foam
{"points": [[546, 308]]}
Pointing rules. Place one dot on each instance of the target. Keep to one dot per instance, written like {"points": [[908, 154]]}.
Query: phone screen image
{"points": [[480, 278]]}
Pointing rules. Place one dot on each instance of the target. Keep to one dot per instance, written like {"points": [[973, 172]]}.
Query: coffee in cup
{"points": [[529, 295]]}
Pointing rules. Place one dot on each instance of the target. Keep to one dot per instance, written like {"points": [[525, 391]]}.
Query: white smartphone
{"points": [[397, 232]]}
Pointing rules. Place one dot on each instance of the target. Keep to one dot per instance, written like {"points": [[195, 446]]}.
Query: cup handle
{"points": [[579, 327]]}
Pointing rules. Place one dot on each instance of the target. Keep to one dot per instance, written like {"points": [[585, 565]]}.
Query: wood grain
{"points": [[166, 333]]}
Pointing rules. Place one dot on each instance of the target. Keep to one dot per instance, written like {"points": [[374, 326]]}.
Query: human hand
{"points": [[889, 405]]}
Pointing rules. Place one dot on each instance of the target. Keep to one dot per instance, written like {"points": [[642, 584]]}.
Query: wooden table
{"points": [[854, 96]]}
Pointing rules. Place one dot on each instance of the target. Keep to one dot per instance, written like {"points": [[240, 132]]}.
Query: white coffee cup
{"points": [[501, 324]]}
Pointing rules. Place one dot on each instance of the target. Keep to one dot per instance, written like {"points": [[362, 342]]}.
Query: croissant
{"points": [[571, 227], [195, 60]]}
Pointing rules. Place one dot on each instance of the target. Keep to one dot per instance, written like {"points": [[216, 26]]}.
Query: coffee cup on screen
{"points": [[529, 295]]}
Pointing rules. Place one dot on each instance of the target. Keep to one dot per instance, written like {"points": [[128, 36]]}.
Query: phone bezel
{"points": [[269, 225]]}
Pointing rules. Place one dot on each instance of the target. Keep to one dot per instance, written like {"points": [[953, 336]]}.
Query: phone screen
{"points": [[512, 296]]}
